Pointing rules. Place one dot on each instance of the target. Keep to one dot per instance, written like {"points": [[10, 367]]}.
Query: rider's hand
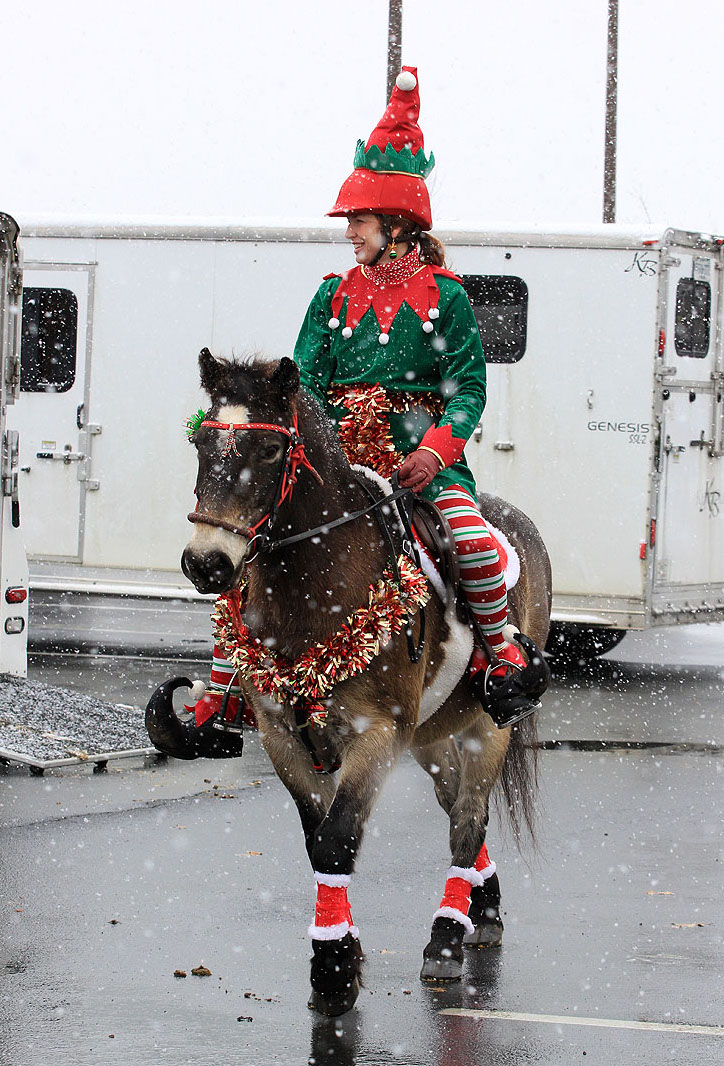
{"points": [[418, 470]]}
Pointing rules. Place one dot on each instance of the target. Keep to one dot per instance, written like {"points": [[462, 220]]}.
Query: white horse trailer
{"points": [[13, 562], [605, 419]]}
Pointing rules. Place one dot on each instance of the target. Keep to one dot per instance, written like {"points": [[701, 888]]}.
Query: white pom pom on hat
{"points": [[406, 81]]}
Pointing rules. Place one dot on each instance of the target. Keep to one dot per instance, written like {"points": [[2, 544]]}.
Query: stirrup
{"points": [[512, 698], [219, 720]]}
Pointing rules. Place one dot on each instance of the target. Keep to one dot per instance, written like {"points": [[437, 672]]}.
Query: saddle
{"points": [[432, 531], [509, 699], [434, 534]]}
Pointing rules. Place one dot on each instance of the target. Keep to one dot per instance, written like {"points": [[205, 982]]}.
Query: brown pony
{"points": [[299, 594]]}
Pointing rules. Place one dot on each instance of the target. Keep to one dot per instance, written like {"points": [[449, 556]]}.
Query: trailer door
{"points": [[690, 533], [13, 561], [50, 412]]}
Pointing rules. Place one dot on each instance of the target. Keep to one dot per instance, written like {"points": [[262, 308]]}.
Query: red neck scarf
{"points": [[396, 272]]}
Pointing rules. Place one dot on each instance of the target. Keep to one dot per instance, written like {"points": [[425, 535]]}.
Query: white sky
{"points": [[238, 109]]}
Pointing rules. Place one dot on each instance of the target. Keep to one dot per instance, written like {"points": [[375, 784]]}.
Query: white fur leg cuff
{"points": [[458, 916], [333, 932], [333, 880], [468, 873]]}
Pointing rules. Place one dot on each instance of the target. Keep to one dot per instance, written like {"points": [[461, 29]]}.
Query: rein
{"points": [[273, 545], [294, 458]]}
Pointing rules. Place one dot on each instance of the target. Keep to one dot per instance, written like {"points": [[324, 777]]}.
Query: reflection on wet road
{"points": [[111, 883]]}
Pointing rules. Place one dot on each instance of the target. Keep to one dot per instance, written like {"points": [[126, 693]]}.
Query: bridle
{"points": [[294, 459]]}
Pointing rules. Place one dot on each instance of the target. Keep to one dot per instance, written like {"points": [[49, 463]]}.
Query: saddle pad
{"points": [[509, 558]]}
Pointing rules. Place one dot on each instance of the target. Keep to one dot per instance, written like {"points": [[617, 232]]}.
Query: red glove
{"points": [[418, 470]]}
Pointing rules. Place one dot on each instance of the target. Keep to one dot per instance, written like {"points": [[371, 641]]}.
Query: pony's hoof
{"points": [[335, 1004], [441, 970], [443, 957], [484, 913], [485, 935], [335, 975]]}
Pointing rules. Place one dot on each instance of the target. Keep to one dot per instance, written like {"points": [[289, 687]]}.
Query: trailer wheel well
{"points": [[569, 640]]}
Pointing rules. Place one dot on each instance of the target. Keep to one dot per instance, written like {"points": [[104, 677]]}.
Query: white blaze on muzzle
{"points": [[208, 538], [205, 539]]}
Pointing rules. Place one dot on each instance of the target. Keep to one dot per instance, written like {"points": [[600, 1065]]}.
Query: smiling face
{"points": [[365, 233]]}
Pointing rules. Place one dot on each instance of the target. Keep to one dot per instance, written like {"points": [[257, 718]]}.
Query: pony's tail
{"points": [[518, 793]]}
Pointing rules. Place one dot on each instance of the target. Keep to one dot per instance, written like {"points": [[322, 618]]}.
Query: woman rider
{"points": [[391, 350]]}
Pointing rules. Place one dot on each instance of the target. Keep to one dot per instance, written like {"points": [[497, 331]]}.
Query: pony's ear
{"points": [[285, 379], [210, 371]]}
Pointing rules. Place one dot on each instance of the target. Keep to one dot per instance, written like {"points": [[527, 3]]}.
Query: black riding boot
{"points": [[510, 698]]}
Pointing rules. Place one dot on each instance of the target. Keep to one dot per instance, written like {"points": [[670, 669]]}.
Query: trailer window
{"points": [[693, 318], [500, 305], [48, 340]]}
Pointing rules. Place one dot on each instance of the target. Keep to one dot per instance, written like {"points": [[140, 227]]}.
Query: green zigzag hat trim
{"points": [[390, 160]]}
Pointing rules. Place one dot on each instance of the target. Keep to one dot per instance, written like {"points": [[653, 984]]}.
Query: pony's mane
{"points": [[244, 379]]}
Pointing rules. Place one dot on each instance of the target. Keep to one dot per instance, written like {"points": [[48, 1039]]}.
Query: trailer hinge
{"points": [[84, 471], [87, 430], [15, 280], [10, 459], [670, 261]]}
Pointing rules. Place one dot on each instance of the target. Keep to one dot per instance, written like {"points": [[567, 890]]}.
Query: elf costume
{"points": [[392, 352]]}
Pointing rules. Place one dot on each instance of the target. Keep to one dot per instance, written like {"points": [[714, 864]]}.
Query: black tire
{"points": [[567, 640]]}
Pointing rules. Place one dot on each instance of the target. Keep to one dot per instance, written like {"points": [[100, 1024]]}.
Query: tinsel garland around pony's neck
{"points": [[322, 665]]}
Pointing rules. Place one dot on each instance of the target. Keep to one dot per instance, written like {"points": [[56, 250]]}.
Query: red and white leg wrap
{"points": [[484, 864], [458, 886], [332, 914]]}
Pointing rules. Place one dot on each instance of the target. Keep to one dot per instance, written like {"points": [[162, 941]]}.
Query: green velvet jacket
{"points": [[447, 362]]}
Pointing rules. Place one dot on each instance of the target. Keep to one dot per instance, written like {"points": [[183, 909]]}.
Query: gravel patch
{"points": [[48, 722]]}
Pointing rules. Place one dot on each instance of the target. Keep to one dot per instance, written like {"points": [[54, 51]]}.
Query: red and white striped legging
{"points": [[481, 576], [481, 573]]}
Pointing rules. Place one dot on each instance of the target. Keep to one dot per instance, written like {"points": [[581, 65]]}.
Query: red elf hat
{"points": [[390, 170]]}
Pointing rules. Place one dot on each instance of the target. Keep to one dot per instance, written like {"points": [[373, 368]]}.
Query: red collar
{"points": [[420, 292], [394, 273]]}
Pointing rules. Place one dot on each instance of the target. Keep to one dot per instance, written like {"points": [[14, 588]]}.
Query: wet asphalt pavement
{"points": [[111, 882]]}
